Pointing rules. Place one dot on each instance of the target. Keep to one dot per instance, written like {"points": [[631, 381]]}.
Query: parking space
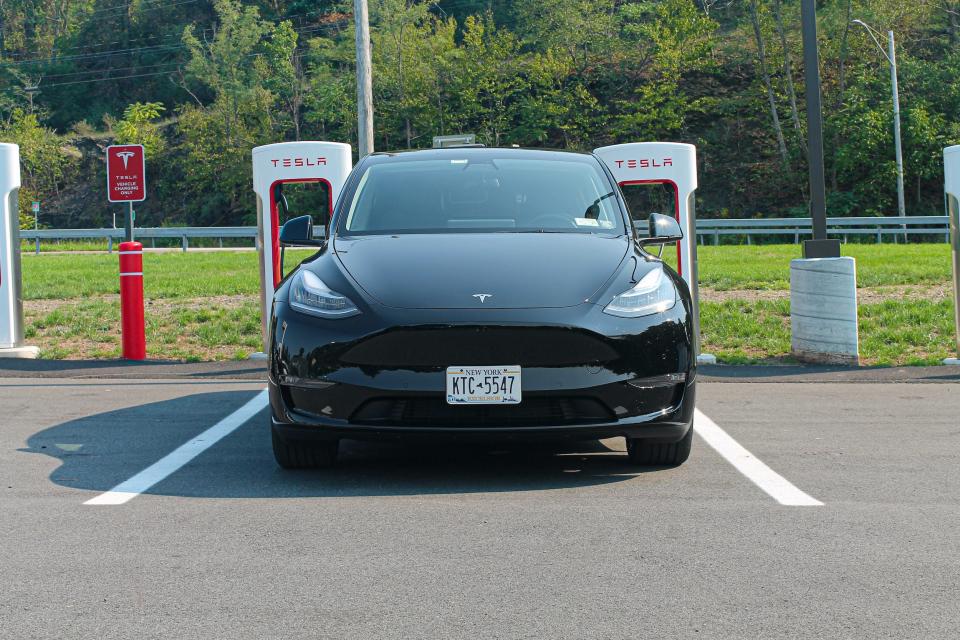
{"points": [[461, 541], [850, 443]]}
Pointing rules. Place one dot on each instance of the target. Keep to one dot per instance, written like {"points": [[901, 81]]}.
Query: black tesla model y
{"points": [[472, 293]]}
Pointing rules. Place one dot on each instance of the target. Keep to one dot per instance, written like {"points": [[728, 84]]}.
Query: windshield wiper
{"points": [[593, 211]]}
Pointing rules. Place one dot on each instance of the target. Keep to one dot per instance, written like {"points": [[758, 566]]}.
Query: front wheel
{"points": [[303, 455], [652, 453]]}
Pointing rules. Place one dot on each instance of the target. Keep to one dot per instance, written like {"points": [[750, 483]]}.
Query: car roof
{"points": [[477, 152]]}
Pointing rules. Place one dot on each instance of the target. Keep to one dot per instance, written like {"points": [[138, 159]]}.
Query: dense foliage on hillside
{"points": [[201, 83]]}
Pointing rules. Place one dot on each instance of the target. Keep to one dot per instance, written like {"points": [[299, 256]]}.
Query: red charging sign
{"points": [[126, 173]]}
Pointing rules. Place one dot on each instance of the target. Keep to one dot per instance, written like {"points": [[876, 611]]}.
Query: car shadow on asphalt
{"points": [[98, 452]]}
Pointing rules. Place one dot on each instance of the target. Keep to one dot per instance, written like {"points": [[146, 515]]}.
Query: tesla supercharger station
{"points": [[285, 163], [951, 169], [11, 300], [674, 164]]}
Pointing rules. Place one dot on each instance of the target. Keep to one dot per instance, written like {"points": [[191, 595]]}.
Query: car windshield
{"points": [[477, 193]]}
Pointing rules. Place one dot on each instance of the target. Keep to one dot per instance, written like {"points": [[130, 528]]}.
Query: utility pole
{"points": [[361, 17], [819, 247], [30, 91]]}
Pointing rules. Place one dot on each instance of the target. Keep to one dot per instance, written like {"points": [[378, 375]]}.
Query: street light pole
{"points": [[901, 198], [820, 246], [891, 55]]}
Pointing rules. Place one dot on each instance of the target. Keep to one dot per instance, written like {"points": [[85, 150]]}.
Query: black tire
{"points": [[303, 455], [669, 454]]}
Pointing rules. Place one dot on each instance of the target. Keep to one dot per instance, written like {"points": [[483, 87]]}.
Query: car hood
{"points": [[509, 270]]}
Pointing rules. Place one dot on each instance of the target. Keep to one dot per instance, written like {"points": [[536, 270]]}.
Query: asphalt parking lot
{"points": [[458, 542]]}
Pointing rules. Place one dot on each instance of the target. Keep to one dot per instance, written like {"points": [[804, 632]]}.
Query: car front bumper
{"points": [[585, 375], [668, 424]]}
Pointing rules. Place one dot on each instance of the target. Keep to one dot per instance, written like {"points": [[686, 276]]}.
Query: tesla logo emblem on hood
{"points": [[125, 156], [482, 296]]}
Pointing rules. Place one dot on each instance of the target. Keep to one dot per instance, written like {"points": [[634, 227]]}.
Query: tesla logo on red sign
{"points": [[126, 173], [298, 162], [646, 163]]}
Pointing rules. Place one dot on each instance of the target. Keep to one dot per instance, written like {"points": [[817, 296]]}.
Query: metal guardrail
{"points": [[142, 233], [797, 227], [706, 228]]}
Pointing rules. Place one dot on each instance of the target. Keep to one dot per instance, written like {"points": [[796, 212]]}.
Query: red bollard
{"points": [[131, 301]]}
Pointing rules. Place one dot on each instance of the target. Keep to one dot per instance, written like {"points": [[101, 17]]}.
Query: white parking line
{"points": [[775, 485], [129, 489]]}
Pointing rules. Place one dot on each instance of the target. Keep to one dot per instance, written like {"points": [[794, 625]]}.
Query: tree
{"points": [[44, 157], [767, 84], [583, 31], [203, 82], [667, 41], [243, 65], [231, 65], [486, 78], [330, 95], [285, 78], [788, 69], [401, 72], [139, 126]]}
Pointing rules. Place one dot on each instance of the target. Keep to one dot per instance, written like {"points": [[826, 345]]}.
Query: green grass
{"points": [[91, 329], [200, 274], [894, 332], [203, 305], [917, 332], [768, 266], [740, 332], [166, 275], [66, 245]]}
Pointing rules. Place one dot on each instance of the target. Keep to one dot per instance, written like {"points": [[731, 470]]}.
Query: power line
{"points": [[93, 56], [174, 37], [120, 9], [173, 47], [113, 12], [137, 75], [93, 47], [332, 26], [159, 47], [107, 70], [175, 66]]}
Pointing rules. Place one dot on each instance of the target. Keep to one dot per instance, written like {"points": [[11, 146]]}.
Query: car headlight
{"points": [[654, 293], [309, 294]]}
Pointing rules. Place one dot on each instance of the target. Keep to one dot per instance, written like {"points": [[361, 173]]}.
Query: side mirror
{"points": [[663, 230], [298, 232]]}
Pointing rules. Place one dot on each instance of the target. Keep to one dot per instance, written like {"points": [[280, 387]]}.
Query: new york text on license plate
{"points": [[483, 385]]}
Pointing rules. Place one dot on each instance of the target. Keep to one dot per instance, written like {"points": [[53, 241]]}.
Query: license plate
{"points": [[483, 385]]}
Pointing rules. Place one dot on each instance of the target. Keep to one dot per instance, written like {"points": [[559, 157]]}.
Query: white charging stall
{"points": [[11, 300], [285, 163], [951, 170], [673, 164]]}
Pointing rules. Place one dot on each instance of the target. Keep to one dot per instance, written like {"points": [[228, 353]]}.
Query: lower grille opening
{"points": [[435, 412]]}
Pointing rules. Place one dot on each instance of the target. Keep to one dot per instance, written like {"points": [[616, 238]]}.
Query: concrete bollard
{"points": [[823, 311]]}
